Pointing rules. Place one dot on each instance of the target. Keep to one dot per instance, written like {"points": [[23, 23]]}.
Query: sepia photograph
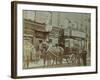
{"points": [[56, 39], [53, 39]]}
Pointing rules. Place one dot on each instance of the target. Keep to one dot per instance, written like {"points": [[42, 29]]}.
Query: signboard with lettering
{"points": [[78, 34]]}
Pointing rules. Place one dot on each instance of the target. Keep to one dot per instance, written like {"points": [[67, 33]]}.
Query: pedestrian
{"points": [[27, 53], [40, 48], [44, 49], [34, 55], [84, 57]]}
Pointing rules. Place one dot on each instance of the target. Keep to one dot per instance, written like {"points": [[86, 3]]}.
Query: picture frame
{"points": [[71, 30]]}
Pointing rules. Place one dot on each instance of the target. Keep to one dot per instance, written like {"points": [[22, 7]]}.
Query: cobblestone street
{"points": [[40, 64]]}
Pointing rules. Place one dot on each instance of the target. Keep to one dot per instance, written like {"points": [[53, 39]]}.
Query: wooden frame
{"points": [[14, 37]]}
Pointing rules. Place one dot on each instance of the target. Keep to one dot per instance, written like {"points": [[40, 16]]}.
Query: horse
{"points": [[53, 55]]}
